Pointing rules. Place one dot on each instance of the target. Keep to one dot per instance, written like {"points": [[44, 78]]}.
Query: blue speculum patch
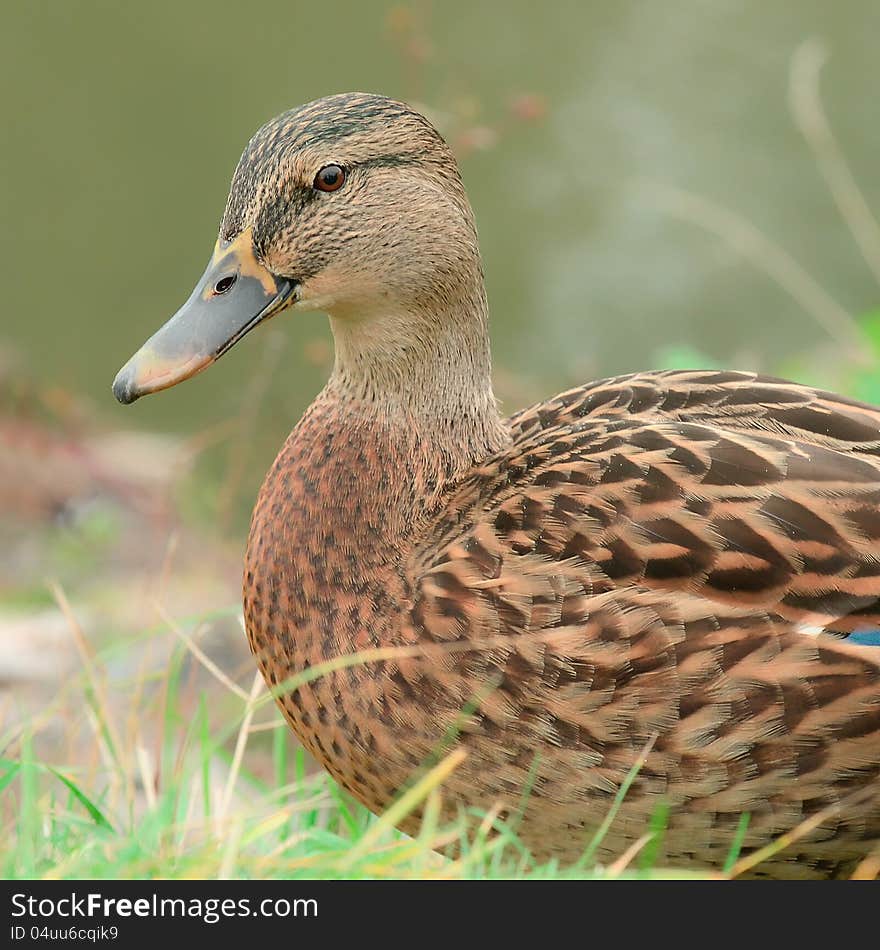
{"points": [[865, 638]]}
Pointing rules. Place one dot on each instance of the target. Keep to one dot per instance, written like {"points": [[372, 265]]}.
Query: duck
{"points": [[666, 582]]}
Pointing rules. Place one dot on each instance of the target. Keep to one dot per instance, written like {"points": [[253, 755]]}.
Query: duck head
{"points": [[352, 205]]}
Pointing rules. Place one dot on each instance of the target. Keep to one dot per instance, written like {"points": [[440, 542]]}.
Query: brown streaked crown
{"points": [[341, 127]]}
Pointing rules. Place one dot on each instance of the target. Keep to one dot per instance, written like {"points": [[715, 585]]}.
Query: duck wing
{"points": [[672, 555], [741, 489]]}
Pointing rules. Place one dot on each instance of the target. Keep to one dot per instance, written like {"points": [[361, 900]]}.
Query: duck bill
{"points": [[234, 294]]}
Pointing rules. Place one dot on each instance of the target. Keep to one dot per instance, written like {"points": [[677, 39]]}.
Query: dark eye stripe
{"points": [[389, 161]]}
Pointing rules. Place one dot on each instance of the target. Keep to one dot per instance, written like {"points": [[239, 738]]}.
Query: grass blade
{"points": [[95, 813]]}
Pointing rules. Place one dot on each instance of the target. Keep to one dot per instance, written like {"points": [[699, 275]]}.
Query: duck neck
{"points": [[403, 416], [425, 377]]}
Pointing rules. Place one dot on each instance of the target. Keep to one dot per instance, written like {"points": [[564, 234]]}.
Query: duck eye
{"points": [[225, 283], [329, 178]]}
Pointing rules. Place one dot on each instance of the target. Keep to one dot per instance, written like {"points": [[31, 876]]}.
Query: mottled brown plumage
{"points": [[668, 559]]}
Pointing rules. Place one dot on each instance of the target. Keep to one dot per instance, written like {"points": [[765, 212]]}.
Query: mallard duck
{"points": [[672, 574]]}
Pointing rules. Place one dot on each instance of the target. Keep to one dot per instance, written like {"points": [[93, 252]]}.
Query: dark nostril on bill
{"points": [[225, 283]]}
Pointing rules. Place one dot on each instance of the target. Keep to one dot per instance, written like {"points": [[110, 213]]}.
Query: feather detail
{"points": [[669, 556]]}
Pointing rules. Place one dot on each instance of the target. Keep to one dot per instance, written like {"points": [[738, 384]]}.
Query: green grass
{"points": [[175, 774], [177, 771]]}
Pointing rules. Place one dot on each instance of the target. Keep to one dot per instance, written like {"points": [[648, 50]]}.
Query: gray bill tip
{"points": [[123, 387]]}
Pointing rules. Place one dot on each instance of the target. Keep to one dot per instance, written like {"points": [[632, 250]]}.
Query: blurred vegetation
{"points": [[657, 186]]}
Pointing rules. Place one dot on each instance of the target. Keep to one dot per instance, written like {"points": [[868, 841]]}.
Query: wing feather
{"points": [[653, 558]]}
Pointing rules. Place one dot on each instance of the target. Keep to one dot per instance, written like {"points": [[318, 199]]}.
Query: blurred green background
{"points": [[123, 123]]}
